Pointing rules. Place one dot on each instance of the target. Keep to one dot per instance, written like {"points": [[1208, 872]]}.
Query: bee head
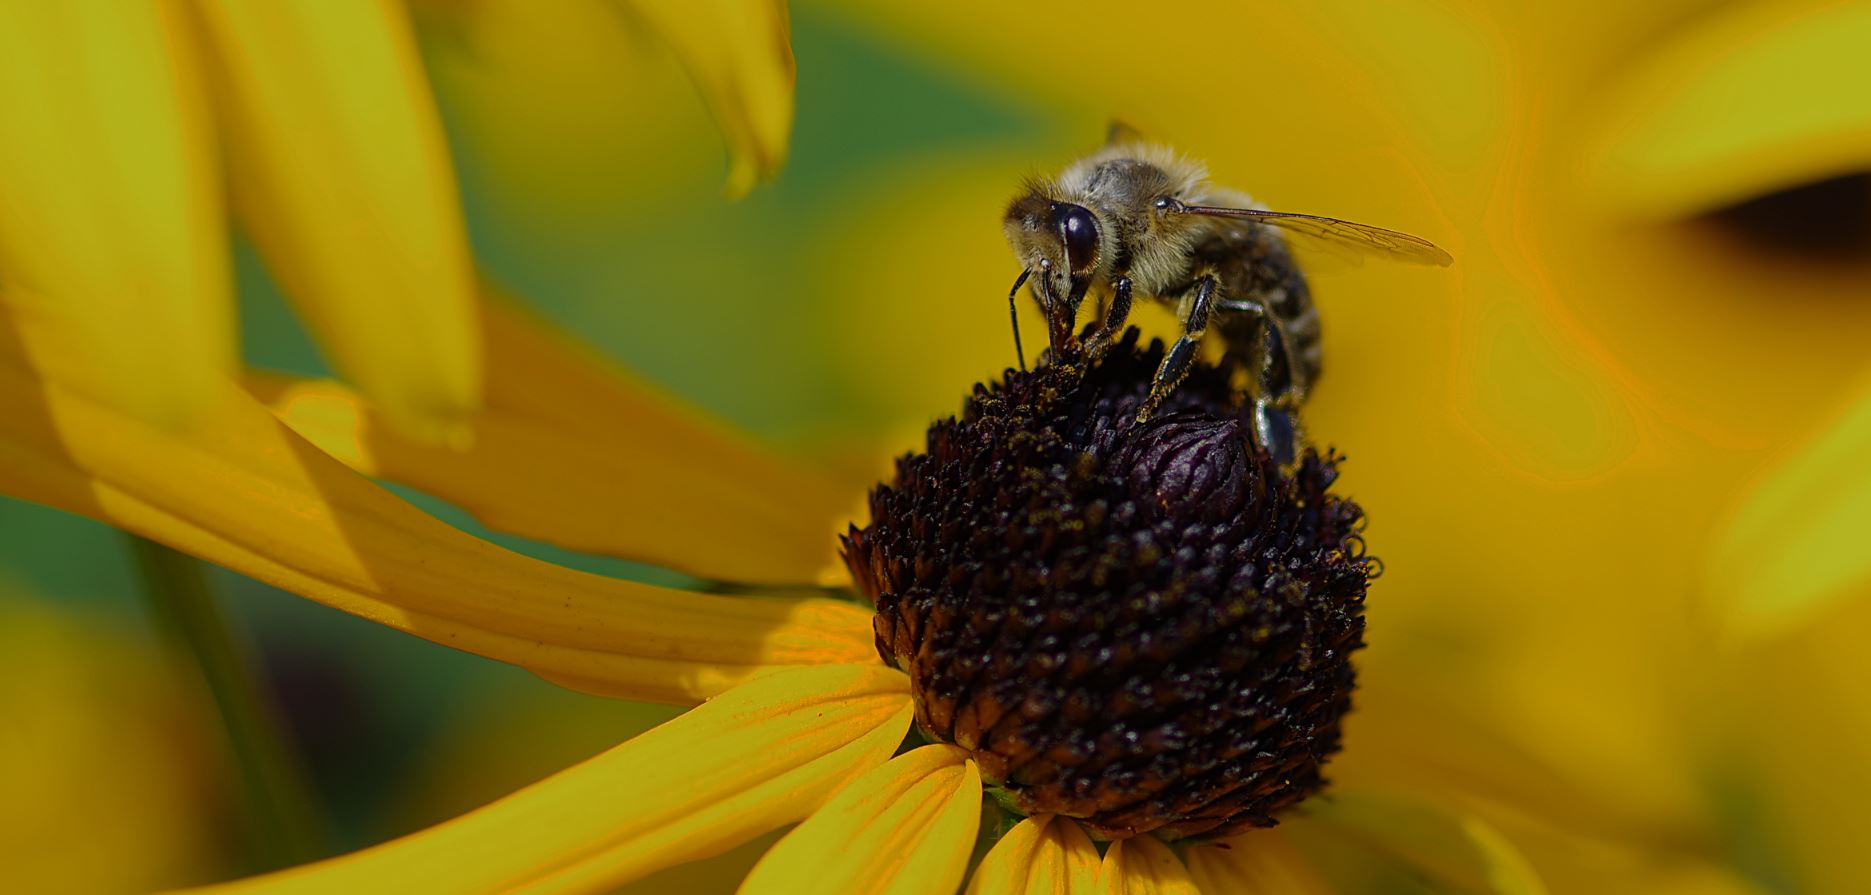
{"points": [[1057, 242]]}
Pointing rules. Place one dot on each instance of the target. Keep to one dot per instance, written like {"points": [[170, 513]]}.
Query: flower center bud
{"points": [[1144, 626]]}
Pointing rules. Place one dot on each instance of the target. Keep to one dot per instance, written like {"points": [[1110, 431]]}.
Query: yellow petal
{"points": [[1039, 856], [108, 764], [340, 172], [546, 107], [906, 827], [1143, 865], [112, 241], [245, 492], [1797, 715], [755, 758], [1796, 546], [1758, 97], [576, 453], [740, 55], [1457, 848], [1263, 862]]}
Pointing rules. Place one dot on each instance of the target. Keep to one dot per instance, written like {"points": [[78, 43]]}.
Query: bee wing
{"points": [[1337, 235]]}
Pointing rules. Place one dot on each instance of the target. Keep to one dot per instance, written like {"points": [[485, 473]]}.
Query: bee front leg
{"points": [[1176, 363], [1114, 317]]}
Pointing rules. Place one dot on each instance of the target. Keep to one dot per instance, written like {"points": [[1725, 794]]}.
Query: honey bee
{"points": [[1136, 218]]}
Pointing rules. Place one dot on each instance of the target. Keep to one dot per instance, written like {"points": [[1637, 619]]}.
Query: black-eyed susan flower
{"points": [[802, 715]]}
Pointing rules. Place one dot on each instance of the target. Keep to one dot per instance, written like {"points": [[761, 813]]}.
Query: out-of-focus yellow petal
{"points": [[906, 827], [1039, 856], [1263, 862], [1611, 862], [546, 103], [741, 57], [108, 766], [1143, 865], [112, 241], [1457, 848], [1758, 97], [243, 491], [1796, 546], [1797, 715], [751, 760], [340, 171], [585, 456]]}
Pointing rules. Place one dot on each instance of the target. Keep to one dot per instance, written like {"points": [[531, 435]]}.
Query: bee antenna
{"points": [[1013, 313]]}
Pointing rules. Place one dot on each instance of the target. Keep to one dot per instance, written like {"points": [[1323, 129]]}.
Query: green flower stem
{"points": [[285, 827]]}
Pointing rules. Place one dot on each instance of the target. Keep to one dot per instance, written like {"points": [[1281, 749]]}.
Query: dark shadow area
{"points": [[1826, 220]]}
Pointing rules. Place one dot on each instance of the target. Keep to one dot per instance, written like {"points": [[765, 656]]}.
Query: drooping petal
{"points": [[741, 57], [1263, 862], [112, 239], [340, 171], [1040, 856], [573, 452], [1795, 548], [757, 757], [242, 490], [904, 828], [1705, 119], [1143, 865]]}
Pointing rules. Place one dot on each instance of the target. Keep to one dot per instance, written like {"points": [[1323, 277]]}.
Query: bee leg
{"points": [[1013, 313], [1276, 431], [1276, 404], [1176, 363], [1061, 319], [1114, 318]]}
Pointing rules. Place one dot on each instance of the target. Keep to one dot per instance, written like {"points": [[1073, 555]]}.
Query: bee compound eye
{"points": [[1078, 230]]}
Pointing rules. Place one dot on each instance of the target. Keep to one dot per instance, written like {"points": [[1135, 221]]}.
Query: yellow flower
{"points": [[798, 718]]}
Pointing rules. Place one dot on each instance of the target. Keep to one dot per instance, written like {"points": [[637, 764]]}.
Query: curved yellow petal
{"points": [[757, 757], [113, 248], [1143, 865], [1795, 548], [740, 55], [1456, 847], [1758, 97], [906, 827], [1263, 862], [340, 171], [1040, 856], [243, 491], [585, 456]]}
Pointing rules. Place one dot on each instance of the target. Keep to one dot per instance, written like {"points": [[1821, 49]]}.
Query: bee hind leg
{"points": [[1276, 402], [1176, 363], [1277, 431]]}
